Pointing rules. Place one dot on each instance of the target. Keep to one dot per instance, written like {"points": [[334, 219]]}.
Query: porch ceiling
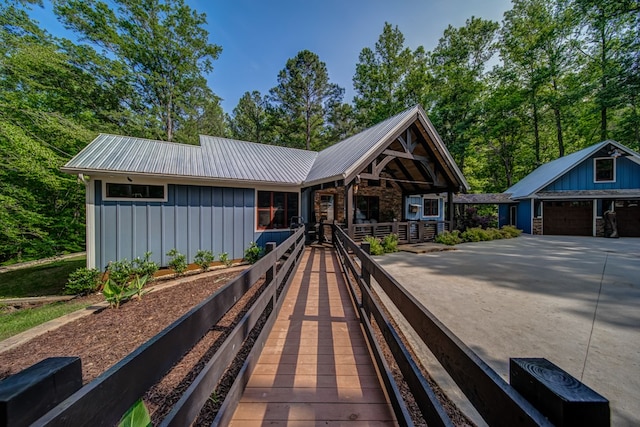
{"points": [[412, 162]]}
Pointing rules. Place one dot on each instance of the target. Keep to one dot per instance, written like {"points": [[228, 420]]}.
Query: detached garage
{"points": [[573, 194]]}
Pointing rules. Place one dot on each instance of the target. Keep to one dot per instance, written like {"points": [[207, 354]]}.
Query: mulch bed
{"points": [[105, 337]]}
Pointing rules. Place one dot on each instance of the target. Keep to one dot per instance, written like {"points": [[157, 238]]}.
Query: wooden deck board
{"points": [[315, 366]]}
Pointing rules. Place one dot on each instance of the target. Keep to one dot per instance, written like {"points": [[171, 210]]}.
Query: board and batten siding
{"points": [[418, 216], [218, 219], [581, 177]]}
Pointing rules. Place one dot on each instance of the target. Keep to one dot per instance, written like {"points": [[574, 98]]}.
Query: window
{"points": [[430, 207], [605, 169], [135, 191], [275, 209], [367, 208]]}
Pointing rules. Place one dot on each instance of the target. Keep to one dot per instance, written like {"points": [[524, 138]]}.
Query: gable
{"points": [[571, 172], [581, 177]]}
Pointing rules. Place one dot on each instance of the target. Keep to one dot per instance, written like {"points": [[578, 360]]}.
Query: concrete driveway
{"points": [[572, 300]]}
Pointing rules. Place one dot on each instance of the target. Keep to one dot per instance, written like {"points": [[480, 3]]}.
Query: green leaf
{"points": [[136, 416]]}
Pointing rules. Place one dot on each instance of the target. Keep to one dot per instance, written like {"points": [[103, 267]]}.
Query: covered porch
{"points": [[402, 181]]}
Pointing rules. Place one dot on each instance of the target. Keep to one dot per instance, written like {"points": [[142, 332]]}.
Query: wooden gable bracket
{"points": [[407, 143]]}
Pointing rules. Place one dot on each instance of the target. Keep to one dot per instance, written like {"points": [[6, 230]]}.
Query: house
{"points": [[570, 195], [220, 195]]}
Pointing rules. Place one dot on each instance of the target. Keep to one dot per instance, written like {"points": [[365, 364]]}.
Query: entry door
{"points": [[326, 207]]}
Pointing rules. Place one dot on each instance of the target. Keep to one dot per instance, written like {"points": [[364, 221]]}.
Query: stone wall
{"points": [[599, 227], [537, 226], [390, 197]]}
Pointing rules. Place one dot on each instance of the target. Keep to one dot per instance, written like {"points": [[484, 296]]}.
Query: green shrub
{"points": [[224, 258], [83, 281], [390, 243], [178, 262], [120, 272], [144, 267], [136, 285], [253, 253], [203, 259], [375, 245], [448, 238], [509, 231], [476, 234]]}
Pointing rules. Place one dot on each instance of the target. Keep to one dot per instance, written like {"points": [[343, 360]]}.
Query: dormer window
{"points": [[604, 169]]}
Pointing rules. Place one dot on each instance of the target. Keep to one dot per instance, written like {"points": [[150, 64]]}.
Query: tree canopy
{"points": [[553, 77]]}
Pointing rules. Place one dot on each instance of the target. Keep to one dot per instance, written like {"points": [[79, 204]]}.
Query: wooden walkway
{"points": [[315, 368]]}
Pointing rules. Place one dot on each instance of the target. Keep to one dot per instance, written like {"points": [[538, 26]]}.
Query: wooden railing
{"points": [[496, 401], [408, 232], [105, 399]]}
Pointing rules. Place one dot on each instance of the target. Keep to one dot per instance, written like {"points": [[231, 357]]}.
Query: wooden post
{"points": [[270, 274], [366, 276], [348, 208], [559, 396], [32, 392], [450, 209]]}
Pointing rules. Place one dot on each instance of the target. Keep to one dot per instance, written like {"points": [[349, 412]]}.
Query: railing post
{"points": [[421, 227], [29, 394], [270, 274], [366, 277], [394, 227]]}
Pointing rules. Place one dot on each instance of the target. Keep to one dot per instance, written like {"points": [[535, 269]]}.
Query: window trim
{"points": [[595, 170], [106, 198], [258, 209], [424, 211]]}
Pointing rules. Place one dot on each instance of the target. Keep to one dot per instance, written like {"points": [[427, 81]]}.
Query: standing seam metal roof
{"points": [[228, 159], [549, 172]]}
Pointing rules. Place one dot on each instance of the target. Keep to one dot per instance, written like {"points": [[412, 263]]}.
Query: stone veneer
{"points": [[537, 226], [390, 197], [599, 227]]}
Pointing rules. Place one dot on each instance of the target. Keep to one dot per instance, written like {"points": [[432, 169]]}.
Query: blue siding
{"points": [[524, 216], [503, 215], [193, 218], [418, 216], [581, 177]]}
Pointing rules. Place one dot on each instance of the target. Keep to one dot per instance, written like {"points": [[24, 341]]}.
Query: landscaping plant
{"points": [[83, 281], [253, 253], [224, 258], [144, 266], [390, 243], [375, 246], [178, 262], [203, 258]]}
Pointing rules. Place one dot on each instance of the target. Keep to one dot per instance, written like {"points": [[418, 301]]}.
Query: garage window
{"points": [[604, 169]]}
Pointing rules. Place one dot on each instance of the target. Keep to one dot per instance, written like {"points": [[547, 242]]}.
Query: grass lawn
{"points": [[39, 280], [19, 321]]}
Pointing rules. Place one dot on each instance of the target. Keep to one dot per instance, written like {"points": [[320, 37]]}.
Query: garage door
{"points": [[628, 217], [568, 218]]}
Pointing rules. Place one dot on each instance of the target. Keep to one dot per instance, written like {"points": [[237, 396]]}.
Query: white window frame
{"points": [[595, 170], [133, 199], [436, 198]]}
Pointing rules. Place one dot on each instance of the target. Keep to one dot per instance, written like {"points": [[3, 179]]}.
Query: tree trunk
{"points": [[603, 79], [558, 117], [536, 132]]}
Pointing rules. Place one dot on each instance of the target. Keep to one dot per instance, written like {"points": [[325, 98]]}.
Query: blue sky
{"points": [[257, 37]]}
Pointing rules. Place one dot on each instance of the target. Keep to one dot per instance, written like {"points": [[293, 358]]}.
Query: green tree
{"points": [[163, 45], [388, 78], [608, 29], [301, 100], [250, 121], [457, 65]]}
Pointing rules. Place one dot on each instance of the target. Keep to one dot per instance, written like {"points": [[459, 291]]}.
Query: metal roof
{"points": [[214, 158], [227, 159], [482, 199], [337, 160], [549, 172]]}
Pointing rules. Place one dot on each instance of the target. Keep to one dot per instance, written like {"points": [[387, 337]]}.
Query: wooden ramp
{"points": [[315, 368]]}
